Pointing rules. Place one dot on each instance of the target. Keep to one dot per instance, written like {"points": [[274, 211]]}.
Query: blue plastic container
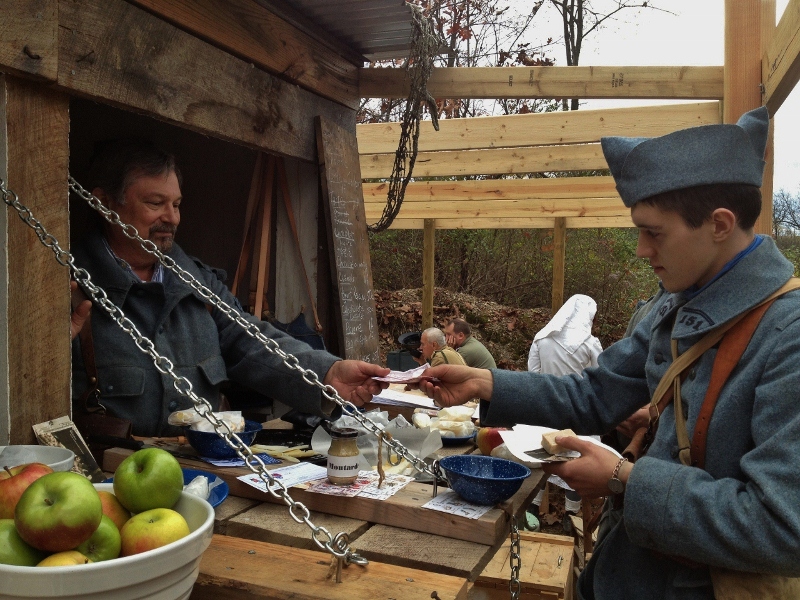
{"points": [[211, 445], [484, 480]]}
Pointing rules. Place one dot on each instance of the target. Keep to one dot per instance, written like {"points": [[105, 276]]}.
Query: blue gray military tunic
{"points": [[203, 344], [743, 511]]}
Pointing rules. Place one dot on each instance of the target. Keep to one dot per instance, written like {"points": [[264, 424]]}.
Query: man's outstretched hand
{"points": [[456, 384], [353, 380]]}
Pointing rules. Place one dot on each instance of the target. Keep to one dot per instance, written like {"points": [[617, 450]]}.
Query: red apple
{"points": [[68, 558], [147, 479], [104, 544], [14, 481], [113, 509], [152, 529], [13, 550], [58, 512], [489, 438]]}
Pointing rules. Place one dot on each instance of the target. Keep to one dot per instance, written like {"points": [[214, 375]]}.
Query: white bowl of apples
{"points": [[150, 564]]}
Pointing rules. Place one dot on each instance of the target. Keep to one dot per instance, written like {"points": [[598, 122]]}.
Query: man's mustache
{"points": [[163, 228]]}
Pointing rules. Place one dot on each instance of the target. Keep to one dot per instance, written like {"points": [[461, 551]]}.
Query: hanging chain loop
{"points": [[514, 585]]}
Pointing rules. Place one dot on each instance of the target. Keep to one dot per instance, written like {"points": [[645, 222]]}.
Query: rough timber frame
{"points": [[762, 65]]}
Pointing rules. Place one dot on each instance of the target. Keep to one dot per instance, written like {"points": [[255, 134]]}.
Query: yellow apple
{"points": [[68, 558], [152, 529]]}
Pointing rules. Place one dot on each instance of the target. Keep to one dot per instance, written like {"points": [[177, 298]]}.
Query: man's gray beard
{"points": [[164, 245]]}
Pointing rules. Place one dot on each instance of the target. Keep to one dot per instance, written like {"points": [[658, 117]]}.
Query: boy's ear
{"points": [[724, 223]]}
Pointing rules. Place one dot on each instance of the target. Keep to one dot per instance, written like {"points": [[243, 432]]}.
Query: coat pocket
{"points": [[214, 369], [121, 382]]}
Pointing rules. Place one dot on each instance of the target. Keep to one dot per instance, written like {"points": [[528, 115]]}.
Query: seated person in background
{"points": [[142, 184], [566, 344], [459, 336], [436, 351]]}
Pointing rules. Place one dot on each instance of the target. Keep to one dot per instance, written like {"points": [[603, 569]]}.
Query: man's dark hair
{"points": [[695, 204], [117, 163], [461, 326]]}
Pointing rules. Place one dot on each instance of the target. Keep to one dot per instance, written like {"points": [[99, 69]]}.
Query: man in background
{"points": [[459, 336], [435, 350]]}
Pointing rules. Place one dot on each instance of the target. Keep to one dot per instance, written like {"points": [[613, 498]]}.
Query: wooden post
{"points": [[559, 261], [764, 222], [35, 136], [746, 21], [428, 250]]}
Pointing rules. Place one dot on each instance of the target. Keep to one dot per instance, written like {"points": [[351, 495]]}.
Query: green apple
{"points": [[67, 558], [152, 529], [113, 509], [58, 512], [104, 544], [14, 550], [149, 478], [14, 481]]}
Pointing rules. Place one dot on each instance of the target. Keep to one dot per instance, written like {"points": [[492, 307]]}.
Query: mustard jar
{"points": [[343, 456]]}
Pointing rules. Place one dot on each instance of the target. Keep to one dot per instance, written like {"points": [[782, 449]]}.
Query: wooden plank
{"points": [[551, 82], [763, 224], [428, 275], [232, 568], [742, 52], [253, 33], [509, 208], [404, 509], [418, 550], [29, 38], [542, 188], [546, 567], [573, 127], [272, 523], [37, 142], [780, 65], [493, 161], [114, 52], [583, 222], [559, 262], [351, 272]]}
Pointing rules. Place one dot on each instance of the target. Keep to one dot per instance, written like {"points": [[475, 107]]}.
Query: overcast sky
{"points": [[694, 35]]}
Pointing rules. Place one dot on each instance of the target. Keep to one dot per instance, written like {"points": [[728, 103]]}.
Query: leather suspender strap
{"points": [[730, 352], [90, 399]]}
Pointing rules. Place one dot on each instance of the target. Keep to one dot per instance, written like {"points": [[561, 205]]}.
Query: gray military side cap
{"points": [[644, 167]]}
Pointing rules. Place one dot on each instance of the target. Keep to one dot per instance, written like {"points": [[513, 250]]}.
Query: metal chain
{"points": [[514, 585], [290, 361], [337, 545]]}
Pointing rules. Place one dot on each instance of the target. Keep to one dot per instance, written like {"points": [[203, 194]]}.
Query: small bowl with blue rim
{"points": [[485, 480], [209, 444]]}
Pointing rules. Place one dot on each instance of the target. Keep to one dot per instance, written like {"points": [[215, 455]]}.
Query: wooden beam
{"points": [[254, 34], [516, 223], [591, 207], [742, 49], [39, 364], [485, 190], [764, 222], [559, 262], [550, 82], [29, 38], [112, 51], [492, 161], [428, 253], [573, 127], [780, 66]]}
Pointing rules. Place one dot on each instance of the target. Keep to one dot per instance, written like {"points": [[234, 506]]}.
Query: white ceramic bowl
{"points": [[55, 457], [166, 573]]}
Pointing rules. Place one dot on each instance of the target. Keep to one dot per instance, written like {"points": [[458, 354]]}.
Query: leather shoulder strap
{"points": [[730, 352], [90, 400]]}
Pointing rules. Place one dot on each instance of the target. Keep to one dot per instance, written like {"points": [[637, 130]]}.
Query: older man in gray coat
{"points": [[694, 197], [142, 185]]}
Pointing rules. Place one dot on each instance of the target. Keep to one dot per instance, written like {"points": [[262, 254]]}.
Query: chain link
{"points": [[338, 545], [514, 585]]}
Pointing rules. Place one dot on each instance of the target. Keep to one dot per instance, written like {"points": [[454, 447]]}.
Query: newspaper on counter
{"points": [[62, 432]]}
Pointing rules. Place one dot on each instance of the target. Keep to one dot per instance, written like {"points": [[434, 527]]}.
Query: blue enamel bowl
{"points": [[485, 480], [211, 445]]}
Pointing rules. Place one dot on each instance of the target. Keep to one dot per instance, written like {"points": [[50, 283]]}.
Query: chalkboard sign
{"points": [[340, 174]]}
